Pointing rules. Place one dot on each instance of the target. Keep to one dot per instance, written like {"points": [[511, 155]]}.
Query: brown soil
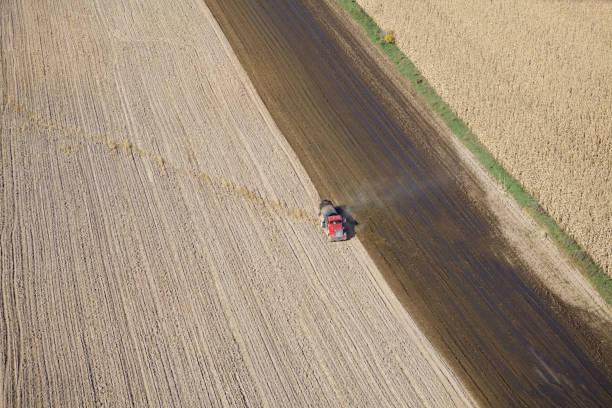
{"points": [[533, 80], [425, 210], [158, 239]]}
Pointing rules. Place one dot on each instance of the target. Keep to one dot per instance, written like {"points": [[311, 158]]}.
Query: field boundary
{"points": [[585, 263]]}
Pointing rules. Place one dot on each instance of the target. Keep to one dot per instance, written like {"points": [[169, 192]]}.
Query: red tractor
{"points": [[332, 221]]}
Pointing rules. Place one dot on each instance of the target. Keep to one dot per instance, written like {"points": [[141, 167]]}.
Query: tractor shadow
{"points": [[349, 222]]}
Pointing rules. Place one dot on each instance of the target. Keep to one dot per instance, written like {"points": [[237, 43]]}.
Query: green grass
{"points": [[600, 280]]}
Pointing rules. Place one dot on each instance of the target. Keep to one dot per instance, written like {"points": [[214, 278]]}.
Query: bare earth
{"points": [[366, 140], [158, 239], [533, 80]]}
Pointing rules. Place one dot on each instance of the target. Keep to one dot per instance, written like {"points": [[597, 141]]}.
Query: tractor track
{"points": [[116, 145], [424, 216]]}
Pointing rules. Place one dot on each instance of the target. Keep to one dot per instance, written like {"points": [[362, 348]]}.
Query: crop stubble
{"points": [[533, 81], [158, 242]]}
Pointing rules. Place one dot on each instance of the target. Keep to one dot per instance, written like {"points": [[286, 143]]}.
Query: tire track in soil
{"points": [[127, 147]]}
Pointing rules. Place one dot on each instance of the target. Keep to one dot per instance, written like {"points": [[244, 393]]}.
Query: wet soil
{"points": [[370, 146]]}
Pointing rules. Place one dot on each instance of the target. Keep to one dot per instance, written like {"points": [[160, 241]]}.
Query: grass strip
{"points": [[600, 280]]}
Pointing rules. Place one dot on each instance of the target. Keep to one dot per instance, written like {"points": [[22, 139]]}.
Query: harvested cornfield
{"points": [[533, 81]]}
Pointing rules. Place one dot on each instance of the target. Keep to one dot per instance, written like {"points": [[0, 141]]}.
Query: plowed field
{"points": [[158, 237], [457, 252]]}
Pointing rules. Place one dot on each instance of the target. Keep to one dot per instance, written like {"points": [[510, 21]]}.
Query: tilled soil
{"points": [[158, 237], [424, 211]]}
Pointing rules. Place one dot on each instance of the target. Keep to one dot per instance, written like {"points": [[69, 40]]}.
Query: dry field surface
{"points": [[158, 244], [533, 81]]}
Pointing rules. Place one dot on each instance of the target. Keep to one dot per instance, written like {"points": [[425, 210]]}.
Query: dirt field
{"points": [[472, 271], [533, 80], [159, 242]]}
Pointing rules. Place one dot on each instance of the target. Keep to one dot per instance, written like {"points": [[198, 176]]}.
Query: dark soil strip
{"points": [[586, 264], [368, 145]]}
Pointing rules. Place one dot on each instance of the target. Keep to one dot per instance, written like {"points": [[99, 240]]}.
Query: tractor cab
{"points": [[332, 222]]}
